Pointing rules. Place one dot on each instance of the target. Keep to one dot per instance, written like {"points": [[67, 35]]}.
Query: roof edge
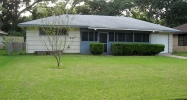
{"points": [[174, 30]]}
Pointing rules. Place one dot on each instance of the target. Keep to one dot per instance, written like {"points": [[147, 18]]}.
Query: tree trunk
{"points": [[15, 21], [58, 64], [16, 16]]}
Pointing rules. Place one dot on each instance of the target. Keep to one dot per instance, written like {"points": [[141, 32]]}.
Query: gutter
{"points": [[154, 31]]}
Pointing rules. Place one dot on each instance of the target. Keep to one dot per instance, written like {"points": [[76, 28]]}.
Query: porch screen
{"points": [[88, 36], [141, 37]]}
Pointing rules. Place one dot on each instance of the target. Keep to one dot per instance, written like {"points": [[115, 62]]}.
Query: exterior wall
{"points": [[170, 43], [176, 47], [34, 42], [85, 47], [1, 40], [162, 38]]}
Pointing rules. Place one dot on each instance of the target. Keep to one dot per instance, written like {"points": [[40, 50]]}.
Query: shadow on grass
{"points": [[55, 69]]}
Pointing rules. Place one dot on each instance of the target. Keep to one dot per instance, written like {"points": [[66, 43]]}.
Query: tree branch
{"points": [[28, 7]]}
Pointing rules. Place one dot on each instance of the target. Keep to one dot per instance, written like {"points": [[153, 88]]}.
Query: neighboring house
{"points": [[180, 38], [1, 38], [105, 29]]}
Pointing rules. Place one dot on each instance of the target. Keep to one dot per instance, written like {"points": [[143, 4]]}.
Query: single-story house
{"points": [[105, 29], [1, 38], [180, 38]]}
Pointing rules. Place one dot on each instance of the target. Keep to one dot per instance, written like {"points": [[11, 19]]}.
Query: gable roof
{"points": [[182, 28], [3, 33], [98, 22]]}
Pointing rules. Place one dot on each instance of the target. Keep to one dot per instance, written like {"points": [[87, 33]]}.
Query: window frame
{"points": [[88, 36], [142, 37], [181, 35]]}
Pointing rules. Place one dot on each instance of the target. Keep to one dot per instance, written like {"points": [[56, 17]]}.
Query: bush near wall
{"points": [[136, 49], [96, 48]]}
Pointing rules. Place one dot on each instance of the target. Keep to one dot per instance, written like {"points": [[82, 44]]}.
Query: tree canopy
{"points": [[11, 11], [166, 12]]}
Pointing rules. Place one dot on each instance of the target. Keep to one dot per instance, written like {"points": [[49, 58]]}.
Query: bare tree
{"points": [[54, 35]]}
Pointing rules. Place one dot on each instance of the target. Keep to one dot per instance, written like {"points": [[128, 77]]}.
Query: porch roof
{"points": [[98, 22]]}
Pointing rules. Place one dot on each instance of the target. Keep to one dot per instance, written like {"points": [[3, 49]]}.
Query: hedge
{"points": [[136, 49], [96, 48]]}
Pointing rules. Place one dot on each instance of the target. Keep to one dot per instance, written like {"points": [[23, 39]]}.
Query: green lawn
{"points": [[180, 53], [87, 77]]}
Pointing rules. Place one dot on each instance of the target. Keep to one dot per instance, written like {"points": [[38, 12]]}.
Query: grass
{"points": [[87, 77], [180, 53]]}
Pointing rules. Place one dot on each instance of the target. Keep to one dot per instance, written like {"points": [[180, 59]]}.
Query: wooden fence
{"points": [[18, 47]]}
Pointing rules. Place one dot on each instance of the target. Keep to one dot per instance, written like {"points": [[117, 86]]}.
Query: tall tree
{"points": [[160, 9], [177, 14], [137, 14], [42, 10], [103, 7], [12, 10]]}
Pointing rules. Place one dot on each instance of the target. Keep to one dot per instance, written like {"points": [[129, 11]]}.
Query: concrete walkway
{"points": [[174, 56]]}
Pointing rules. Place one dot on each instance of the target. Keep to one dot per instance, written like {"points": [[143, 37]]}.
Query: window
{"points": [[121, 37], [116, 36], [111, 36], [145, 38], [84, 36], [182, 40], [141, 37], [91, 36], [87, 36], [137, 37], [129, 37], [96, 36], [53, 31]]}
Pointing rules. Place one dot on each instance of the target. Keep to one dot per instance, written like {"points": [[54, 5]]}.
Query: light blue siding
{"points": [[85, 47]]}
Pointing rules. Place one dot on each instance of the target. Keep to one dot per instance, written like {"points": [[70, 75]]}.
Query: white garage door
{"points": [[160, 39]]}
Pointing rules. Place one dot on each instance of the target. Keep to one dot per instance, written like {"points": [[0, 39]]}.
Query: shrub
{"points": [[137, 49], [96, 48], [156, 48], [117, 48]]}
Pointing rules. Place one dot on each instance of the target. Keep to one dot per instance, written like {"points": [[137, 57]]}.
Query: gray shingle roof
{"points": [[99, 22], [182, 28]]}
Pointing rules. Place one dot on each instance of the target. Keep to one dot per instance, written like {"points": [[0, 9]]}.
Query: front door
{"points": [[103, 39]]}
